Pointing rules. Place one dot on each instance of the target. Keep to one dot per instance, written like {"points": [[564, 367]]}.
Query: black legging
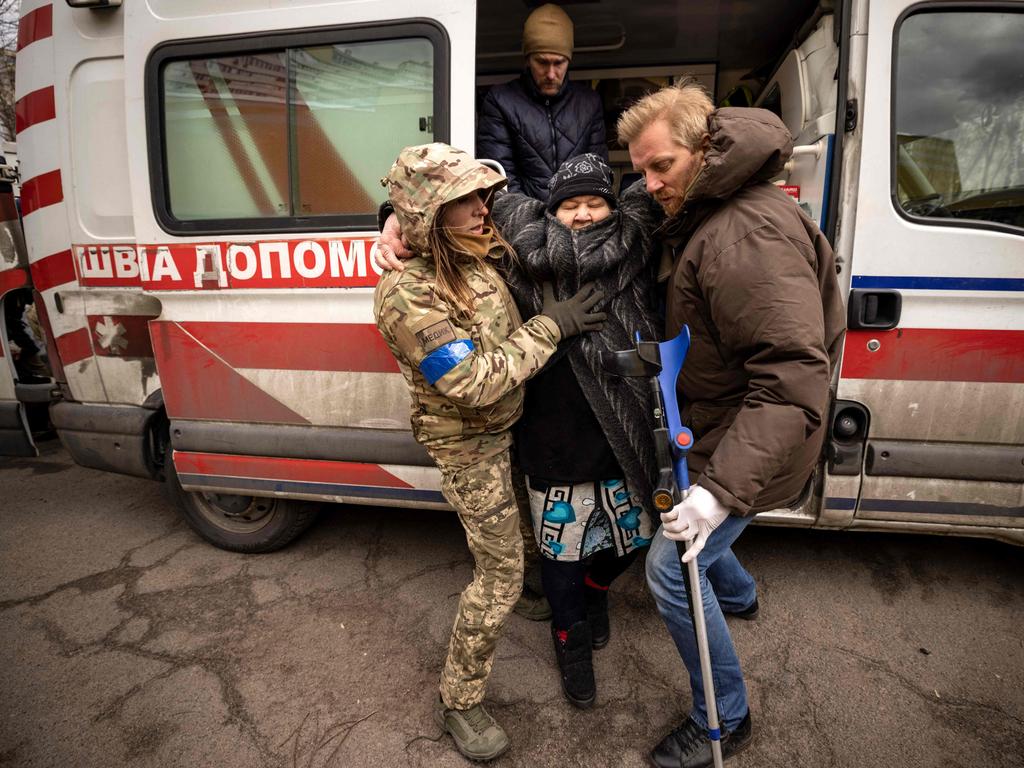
{"points": [[564, 582]]}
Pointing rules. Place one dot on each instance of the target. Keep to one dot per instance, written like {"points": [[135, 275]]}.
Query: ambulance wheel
{"points": [[250, 524]]}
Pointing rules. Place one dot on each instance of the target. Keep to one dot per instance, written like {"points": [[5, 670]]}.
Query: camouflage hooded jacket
{"points": [[465, 370]]}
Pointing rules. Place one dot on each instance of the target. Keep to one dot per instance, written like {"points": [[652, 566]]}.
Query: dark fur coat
{"points": [[617, 255]]}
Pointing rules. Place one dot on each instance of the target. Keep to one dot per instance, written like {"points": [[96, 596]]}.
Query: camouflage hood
{"points": [[427, 176]]}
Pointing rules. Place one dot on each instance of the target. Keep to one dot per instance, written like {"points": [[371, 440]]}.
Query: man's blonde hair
{"points": [[686, 107]]}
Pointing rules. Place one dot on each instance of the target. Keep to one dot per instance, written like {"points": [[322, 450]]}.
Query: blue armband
{"points": [[444, 358]]}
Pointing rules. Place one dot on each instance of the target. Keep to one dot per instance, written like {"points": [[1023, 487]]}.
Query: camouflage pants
{"points": [[531, 552], [482, 495]]}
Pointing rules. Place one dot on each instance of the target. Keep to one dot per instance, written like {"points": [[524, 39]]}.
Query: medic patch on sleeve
{"points": [[436, 335]]}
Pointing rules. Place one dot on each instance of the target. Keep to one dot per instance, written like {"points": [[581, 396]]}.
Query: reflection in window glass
{"points": [[227, 130], [960, 116], [296, 132], [355, 106]]}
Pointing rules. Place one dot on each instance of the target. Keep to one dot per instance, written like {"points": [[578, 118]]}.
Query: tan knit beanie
{"points": [[548, 30]]}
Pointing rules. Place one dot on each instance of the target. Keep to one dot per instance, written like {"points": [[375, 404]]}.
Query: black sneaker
{"points": [[747, 614], [575, 663], [688, 746], [597, 617]]}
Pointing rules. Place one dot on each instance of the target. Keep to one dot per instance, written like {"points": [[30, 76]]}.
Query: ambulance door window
{"points": [[294, 137], [959, 117]]}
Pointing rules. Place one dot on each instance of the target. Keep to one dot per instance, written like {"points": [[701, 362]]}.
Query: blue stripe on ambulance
{"points": [[907, 282]]}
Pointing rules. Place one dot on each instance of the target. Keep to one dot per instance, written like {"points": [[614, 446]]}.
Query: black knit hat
{"points": [[581, 175]]}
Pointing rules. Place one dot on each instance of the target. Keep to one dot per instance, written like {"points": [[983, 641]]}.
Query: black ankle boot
{"points": [[597, 617], [575, 663]]}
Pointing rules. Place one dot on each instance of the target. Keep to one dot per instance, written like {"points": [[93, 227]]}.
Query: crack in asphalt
{"points": [[137, 606], [96, 582], [928, 696]]}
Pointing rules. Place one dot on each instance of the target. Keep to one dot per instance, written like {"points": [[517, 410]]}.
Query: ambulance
{"points": [[198, 187]]}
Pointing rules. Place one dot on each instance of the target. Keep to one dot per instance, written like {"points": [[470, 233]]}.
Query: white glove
{"points": [[695, 517]]}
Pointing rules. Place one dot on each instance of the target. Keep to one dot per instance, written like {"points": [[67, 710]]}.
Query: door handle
{"points": [[873, 309]]}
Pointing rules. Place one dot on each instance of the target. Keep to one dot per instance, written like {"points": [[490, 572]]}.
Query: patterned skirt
{"points": [[574, 521]]}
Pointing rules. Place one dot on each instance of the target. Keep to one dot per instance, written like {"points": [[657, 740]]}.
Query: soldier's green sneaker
{"points": [[533, 605], [476, 734]]}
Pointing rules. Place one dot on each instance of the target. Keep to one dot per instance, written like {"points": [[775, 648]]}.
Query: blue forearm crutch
{"points": [[673, 354], [661, 364]]}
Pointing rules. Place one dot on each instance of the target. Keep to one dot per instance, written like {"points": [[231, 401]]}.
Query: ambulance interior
{"points": [[228, 106], [777, 54]]}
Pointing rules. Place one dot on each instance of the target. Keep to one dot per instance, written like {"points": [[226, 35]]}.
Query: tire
{"points": [[250, 524]]}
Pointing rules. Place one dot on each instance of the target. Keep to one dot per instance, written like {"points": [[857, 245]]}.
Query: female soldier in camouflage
{"points": [[465, 352]]}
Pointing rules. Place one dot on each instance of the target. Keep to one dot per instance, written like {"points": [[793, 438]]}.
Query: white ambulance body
{"points": [[199, 182]]}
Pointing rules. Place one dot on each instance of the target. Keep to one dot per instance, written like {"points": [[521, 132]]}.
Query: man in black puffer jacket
{"points": [[534, 124]]}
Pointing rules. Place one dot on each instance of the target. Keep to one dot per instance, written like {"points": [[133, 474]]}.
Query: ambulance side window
{"points": [[958, 111], [293, 138]]}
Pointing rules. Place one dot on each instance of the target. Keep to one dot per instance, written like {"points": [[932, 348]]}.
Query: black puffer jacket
{"points": [[531, 134]]}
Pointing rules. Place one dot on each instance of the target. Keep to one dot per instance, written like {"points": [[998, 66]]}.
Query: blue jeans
{"points": [[724, 584]]}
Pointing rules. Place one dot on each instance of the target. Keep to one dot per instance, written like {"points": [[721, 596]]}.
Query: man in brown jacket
{"points": [[754, 279]]}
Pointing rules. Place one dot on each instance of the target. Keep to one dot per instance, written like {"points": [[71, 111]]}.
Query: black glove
{"points": [[573, 316]]}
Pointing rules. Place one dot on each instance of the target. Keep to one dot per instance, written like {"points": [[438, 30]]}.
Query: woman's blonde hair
{"points": [[446, 251], [685, 107]]}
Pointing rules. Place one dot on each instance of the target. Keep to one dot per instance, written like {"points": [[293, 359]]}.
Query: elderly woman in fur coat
{"points": [[585, 440]]}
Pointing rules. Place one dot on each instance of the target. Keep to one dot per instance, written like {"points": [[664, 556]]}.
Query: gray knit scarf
{"points": [[615, 254]]}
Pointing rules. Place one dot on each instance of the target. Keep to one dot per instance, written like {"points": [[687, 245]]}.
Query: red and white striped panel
{"points": [[101, 338], [925, 382], [43, 208], [938, 384], [295, 357]]}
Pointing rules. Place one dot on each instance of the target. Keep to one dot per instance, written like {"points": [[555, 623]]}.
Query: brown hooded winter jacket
{"points": [[755, 279]]}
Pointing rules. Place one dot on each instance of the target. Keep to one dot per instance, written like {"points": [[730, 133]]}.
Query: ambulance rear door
{"points": [[258, 135], [935, 349], [15, 435]]}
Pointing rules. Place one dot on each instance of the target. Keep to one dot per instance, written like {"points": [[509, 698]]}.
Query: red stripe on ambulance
{"points": [[198, 384], [32, 108], [935, 354], [74, 346], [36, 25], [53, 270], [41, 191], [296, 346], [13, 278], [295, 470]]}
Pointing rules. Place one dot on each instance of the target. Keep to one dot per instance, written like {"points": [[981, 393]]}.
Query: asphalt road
{"points": [[126, 640]]}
